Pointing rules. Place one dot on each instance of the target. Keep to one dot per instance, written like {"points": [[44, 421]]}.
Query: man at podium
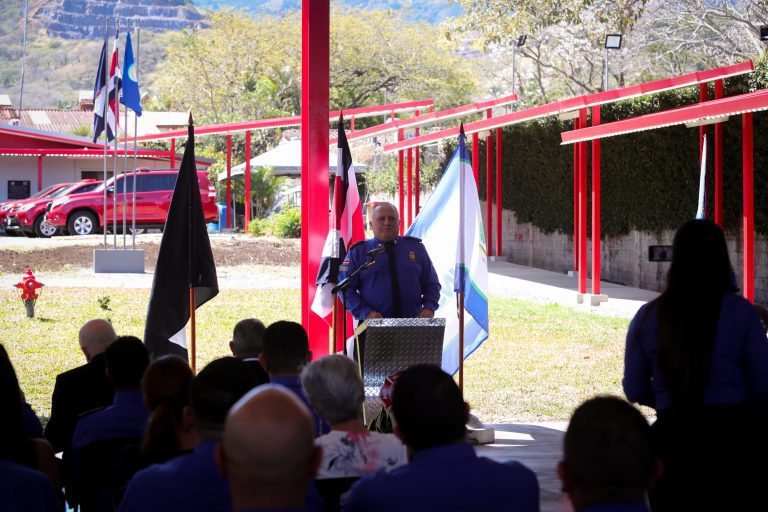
{"points": [[400, 283]]}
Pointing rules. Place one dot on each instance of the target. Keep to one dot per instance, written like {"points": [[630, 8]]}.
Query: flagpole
{"points": [[192, 326], [125, 170], [117, 136], [104, 117], [461, 257], [135, 134]]}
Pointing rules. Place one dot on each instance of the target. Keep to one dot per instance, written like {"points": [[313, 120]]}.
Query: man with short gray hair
{"points": [[247, 344], [82, 389]]}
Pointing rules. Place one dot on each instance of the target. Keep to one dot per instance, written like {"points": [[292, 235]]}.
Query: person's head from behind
{"points": [[165, 386], [428, 407], [126, 360], [286, 348], [213, 391], [700, 260], [608, 453], [385, 222], [247, 338], [11, 427], [268, 453], [95, 336], [334, 388]]}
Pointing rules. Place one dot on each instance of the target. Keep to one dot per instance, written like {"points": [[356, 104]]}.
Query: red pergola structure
{"points": [[576, 108], [714, 111]]}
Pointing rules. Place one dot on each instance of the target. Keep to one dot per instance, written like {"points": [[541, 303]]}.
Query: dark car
{"points": [[83, 214], [30, 217]]}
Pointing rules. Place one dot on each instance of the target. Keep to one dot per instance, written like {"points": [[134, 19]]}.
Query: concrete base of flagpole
{"points": [[118, 261], [573, 273], [592, 299], [477, 433]]}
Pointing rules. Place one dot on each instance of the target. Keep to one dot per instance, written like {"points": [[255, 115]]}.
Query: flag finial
{"points": [[190, 122], [461, 128]]}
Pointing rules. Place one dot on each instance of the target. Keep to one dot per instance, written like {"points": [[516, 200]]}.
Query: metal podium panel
{"points": [[393, 344]]}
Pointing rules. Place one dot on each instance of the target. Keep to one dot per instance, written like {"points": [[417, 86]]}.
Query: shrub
{"points": [[287, 223]]}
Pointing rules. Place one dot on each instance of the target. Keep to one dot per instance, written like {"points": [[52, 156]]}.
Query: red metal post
{"points": [[40, 173], [352, 124], [576, 126], [409, 185], [400, 183], [748, 215], [315, 17], [718, 161], [173, 153], [596, 255], [416, 173], [228, 221], [499, 202], [489, 192], [247, 198], [583, 207], [476, 157], [703, 96]]}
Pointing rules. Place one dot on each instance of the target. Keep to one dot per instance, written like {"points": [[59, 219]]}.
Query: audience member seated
{"points": [[102, 437], [335, 389], [166, 393], [286, 351], [25, 490], [32, 426], [444, 473], [80, 390], [247, 345], [698, 354], [192, 482], [15, 445], [268, 455], [608, 463]]}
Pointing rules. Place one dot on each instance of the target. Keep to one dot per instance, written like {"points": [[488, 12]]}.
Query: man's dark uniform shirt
{"points": [[372, 289]]}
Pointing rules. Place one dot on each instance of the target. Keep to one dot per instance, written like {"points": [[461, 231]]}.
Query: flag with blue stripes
{"points": [[451, 227]]}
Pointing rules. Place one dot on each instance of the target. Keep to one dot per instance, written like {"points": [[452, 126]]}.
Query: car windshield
{"points": [[46, 191], [63, 191]]}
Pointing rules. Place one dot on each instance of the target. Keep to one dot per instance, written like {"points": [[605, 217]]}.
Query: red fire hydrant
{"points": [[29, 291]]}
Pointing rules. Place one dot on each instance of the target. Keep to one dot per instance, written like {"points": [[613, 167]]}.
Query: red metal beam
{"points": [[596, 228], [748, 198], [417, 172], [579, 102], [732, 105], [40, 173], [173, 153], [400, 185], [229, 183], [476, 157], [315, 18], [576, 126], [489, 193], [499, 196], [409, 185], [718, 161], [247, 198], [583, 208]]}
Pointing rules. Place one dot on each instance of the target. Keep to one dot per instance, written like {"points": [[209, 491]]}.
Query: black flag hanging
{"points": [[185, 262]]}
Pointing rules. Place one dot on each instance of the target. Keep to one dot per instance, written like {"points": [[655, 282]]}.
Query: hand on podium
{"points": [[373, 314], [426, 313]]}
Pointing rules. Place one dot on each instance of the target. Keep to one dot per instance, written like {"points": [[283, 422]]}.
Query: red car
{"points": [[29, 218], [14, 203], [83, 214]]}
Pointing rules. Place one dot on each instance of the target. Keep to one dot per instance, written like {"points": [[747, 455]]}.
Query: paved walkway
{"points": [[539, 445]]}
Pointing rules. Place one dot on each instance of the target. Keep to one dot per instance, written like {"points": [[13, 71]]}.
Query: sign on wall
{"points": [[18, 189]]}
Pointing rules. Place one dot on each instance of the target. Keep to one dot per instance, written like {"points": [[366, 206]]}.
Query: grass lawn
{"points": [[539, 363]]}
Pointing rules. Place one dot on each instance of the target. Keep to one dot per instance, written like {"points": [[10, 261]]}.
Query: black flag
{"points": [[185, 261]]}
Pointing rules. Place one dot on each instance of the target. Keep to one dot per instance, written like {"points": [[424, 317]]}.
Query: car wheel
{"points": [[42, 228], [82, 223]]}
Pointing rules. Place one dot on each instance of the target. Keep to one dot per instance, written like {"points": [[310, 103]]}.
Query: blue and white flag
{"points": [[130, 96], [449, 216], [100, 94]]}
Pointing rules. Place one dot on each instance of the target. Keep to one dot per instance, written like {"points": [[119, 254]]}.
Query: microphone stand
{"points": [[342, 286]]}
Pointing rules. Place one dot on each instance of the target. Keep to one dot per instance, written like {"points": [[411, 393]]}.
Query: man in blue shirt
{"points": [[23, 489], [401, 283], [192, 482], [608, 463], [444, 473], [285, 352]]}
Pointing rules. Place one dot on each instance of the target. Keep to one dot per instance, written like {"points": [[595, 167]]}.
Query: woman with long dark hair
{"points": [[699, 356]]}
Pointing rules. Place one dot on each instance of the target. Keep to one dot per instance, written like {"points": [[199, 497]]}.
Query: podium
{"points": [[393, 344]]}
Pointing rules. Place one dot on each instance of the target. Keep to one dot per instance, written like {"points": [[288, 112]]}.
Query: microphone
{"points": [[375, 252]]}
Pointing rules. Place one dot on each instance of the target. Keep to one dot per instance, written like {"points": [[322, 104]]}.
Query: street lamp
{"points": [[518, 44], [612, 42]]}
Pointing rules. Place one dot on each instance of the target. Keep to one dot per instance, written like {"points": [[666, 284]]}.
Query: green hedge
{"points": [[650, 179]]}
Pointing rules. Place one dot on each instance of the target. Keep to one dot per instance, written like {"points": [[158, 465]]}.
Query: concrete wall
{"points": [[60, 169], [624, 259]]}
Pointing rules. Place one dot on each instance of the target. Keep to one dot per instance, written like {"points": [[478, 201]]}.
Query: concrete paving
{"points": [[539, 445]]}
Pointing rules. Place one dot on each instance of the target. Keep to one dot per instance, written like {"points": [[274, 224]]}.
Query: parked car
{"points": [[7, 206], [29, 218], [83, 214]]}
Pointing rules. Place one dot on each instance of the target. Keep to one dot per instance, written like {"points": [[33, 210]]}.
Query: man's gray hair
{"points": [[334, 388], [247, 338]]}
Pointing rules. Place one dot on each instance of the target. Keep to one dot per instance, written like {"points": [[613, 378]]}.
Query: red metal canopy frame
{"points": [[714, 110]]}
